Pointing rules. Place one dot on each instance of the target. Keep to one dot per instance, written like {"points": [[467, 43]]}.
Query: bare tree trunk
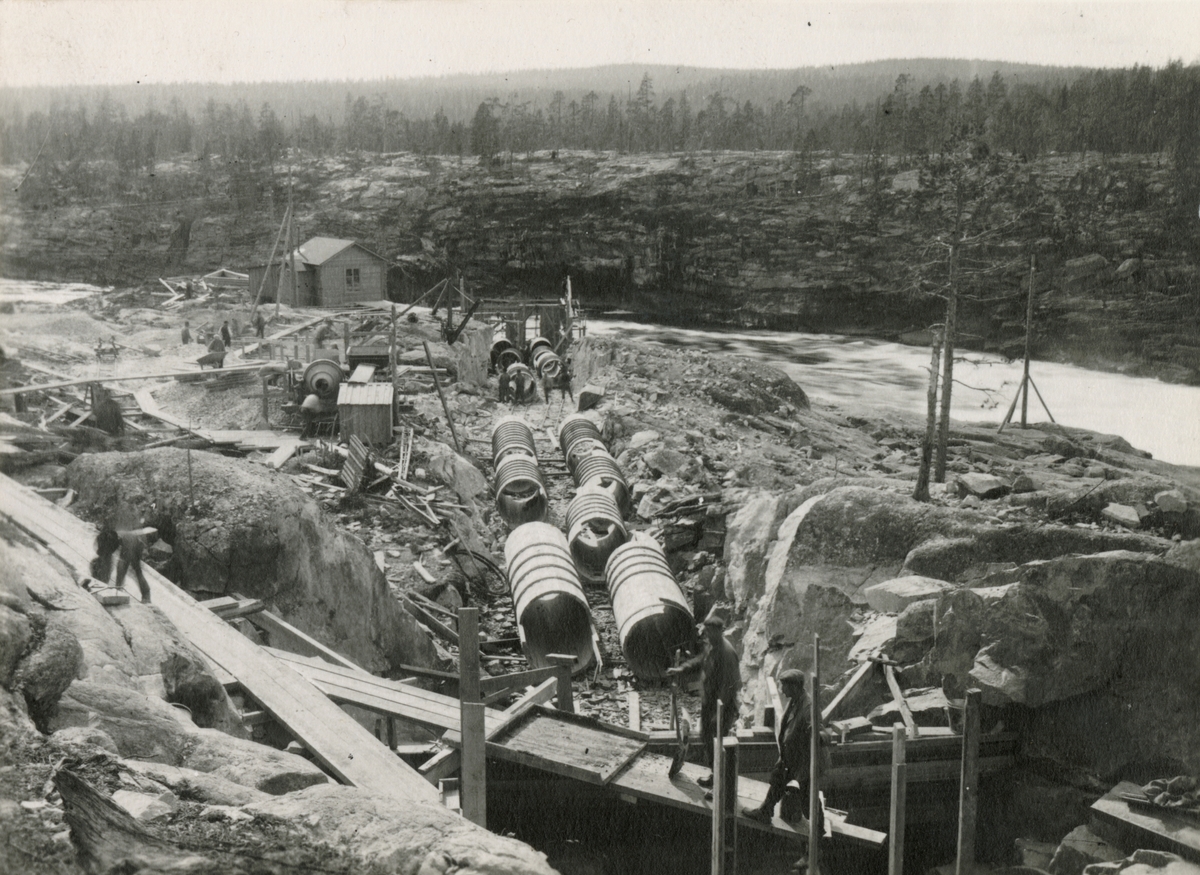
{"points": [[948, 337], [922, 491]]}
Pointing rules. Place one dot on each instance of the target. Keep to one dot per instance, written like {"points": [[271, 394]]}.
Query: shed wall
{"points": [[333, 288], [372, 423]]}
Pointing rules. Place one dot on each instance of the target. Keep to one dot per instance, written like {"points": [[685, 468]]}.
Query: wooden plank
{"points": [[281, 455], [646, 778], [898, 800], [127, 378], [362, 374], [856, 680], [889, 672], [241, 608], [511, 683], [864, 777], [337, 741], [282, 635], [635, 710], [447, 762], [968, 788], [545, 740], [1131, 826]]}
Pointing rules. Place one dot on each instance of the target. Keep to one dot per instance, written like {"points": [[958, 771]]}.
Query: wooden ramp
{"points": [[548, 740], [337, 741]]}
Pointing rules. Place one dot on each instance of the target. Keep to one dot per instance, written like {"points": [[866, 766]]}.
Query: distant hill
{"points": [[459, 96]]}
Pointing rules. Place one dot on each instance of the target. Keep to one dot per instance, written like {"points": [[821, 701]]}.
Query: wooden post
{"points": [[899, 788], [274, 247], [474, 739], [814, 781], [266, 408], [968, 789], [1028, 344], [727, 781], [718, 799], [634, 698], [438, 384], [392, 360], [564, 699]]}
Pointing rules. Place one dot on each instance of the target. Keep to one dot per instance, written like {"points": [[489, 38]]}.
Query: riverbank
{"points": [[720, 239], [791, 518]]}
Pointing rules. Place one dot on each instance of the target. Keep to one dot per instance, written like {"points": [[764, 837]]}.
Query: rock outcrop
{"points": [[253, 532]]}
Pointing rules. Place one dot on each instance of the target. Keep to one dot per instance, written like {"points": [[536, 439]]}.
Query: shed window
{"points": [[353, 278]]}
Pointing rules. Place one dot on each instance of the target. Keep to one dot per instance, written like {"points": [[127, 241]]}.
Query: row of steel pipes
{"points": [[546, 570]]}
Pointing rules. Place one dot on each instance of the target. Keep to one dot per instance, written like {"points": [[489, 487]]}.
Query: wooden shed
{"points": [[365, 410], [329, 272]]}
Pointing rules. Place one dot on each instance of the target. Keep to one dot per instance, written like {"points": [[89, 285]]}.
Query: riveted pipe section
{"points": [[594, 531], [504, 353], [552, 610], [520, 490], [583, 447], [543, 358], [600, 469], [575, 428], [652, 613], [512, 434]]}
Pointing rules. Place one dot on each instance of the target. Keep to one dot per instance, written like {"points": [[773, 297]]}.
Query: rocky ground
{"points": [[1055, 569]]}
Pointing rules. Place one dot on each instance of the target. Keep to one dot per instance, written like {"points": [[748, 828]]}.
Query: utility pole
{"points": [[1028, 345]]}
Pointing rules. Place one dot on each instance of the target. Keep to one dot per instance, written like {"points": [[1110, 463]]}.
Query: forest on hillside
{"points": [[1024, 111]]}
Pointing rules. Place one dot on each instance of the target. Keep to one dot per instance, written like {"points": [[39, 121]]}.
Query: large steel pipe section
{"points": [[575, 428], [652, 613], [594, 531], [504, 353], [512, 434], [543, 358], [520, 490], [599, 469], [552, 610]]}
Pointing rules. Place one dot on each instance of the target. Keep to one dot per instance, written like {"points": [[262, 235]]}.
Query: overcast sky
{"points": [[56, 42]]}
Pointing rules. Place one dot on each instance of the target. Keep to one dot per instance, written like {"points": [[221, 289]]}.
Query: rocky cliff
{"points": [[752, 239]]}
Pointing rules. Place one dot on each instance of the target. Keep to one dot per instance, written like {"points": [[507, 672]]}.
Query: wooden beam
{"points": [[564, 664], [968, 788], [814, 780], [856, 680], [59, 384], [889, 672], [339, 743], [635, 710], [284, 636], [899, 796]]}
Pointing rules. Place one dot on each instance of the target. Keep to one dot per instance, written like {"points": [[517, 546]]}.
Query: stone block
{"points": [[893, 596], [981, 485], [1171, 501], [1122, 515]]}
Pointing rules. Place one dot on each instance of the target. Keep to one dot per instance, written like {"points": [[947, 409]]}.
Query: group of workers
{"points": [[721, 681]]}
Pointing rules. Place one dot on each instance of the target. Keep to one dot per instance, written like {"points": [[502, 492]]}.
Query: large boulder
{"points": [[748, 534], [422, 839], [252, 531], [893, 596], [1087, 641], [146, 728]]}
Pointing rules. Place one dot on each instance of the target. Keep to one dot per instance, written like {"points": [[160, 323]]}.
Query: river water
{"points": [[860, 374], [34, 292]]}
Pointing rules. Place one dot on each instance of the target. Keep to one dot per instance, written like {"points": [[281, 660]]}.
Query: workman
{"points": [[226, 334], [185, 336], [127, 536], [505, 389], [720, 682], [324, 332], [260, 324], [794, 737]]}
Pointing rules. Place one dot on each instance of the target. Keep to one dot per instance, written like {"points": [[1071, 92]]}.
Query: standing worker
{"points": [[323, 334], [260, 324], [720, 682], [794, 739], [185, 336], [226, 334]]}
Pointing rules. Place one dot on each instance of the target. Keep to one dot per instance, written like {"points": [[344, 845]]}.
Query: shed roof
{"points": [[365, 394], [319, 250]]}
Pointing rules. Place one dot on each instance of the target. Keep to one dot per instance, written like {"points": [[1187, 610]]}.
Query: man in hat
{"points": [[794, 739], [226, 334], [721, 680]]}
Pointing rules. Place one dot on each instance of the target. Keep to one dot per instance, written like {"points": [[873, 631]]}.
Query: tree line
{"points": [[1136, 110]]}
